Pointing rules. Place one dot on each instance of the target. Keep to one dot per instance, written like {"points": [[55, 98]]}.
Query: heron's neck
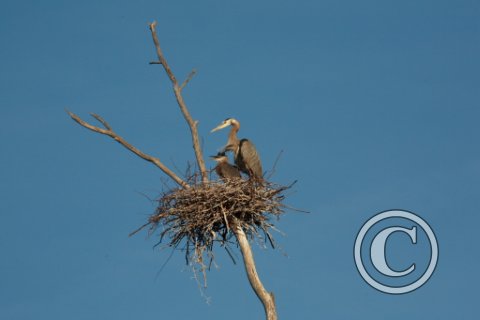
{"points": [[232, 136]]}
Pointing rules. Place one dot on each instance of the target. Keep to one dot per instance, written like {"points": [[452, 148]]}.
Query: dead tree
{"points": [[204, 212]]}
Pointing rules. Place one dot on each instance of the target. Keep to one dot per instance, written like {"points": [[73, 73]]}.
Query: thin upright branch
{"points": [[109, 132], [275, 165], [190, 76], [267, 298], [177, 89]]}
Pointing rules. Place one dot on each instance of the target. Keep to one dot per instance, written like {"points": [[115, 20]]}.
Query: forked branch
{"points": [[177, 89], [265, 297], [109, 132]]}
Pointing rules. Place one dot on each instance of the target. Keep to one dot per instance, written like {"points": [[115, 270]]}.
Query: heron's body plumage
{"points": [[245, 154]]}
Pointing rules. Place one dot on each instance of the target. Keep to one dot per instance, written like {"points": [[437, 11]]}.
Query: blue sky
{"points": [[375, 105]]}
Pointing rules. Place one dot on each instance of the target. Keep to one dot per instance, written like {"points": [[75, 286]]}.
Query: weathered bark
{"points": [[267, 298], [177, 89], [108, 131]]}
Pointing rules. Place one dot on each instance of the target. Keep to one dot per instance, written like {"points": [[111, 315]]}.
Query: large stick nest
{"points": [[197, 217]]}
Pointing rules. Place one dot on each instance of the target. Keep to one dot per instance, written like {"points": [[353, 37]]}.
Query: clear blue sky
{"points": [[376, 105]]}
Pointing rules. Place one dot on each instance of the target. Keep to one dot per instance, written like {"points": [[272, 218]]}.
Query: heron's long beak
{"points": [[216, 158], [221, 126]]}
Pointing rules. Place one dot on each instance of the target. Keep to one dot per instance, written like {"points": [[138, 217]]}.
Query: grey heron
{"points": [[245, 154], [224, 169]]}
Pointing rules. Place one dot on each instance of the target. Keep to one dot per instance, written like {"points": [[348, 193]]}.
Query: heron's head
{"points": [[220, 157], [225, 123]]}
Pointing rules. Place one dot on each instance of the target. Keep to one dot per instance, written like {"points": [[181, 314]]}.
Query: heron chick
{"points": [[225, 170], [245, 153]]}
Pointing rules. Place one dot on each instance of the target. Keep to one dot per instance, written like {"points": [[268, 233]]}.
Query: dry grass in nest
{"points": [[198, 217]]}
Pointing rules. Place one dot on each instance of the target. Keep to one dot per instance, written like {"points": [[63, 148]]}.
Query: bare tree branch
{"points": [[190, 76], [274, 165], [177, 89], [101, 120], [109, 132], [267, 298]]}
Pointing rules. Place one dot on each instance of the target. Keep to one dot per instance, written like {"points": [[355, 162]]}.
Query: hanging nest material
{"points": [[194, 219]]}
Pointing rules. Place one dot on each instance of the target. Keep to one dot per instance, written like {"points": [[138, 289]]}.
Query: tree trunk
{"points": [[267, 298]]}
